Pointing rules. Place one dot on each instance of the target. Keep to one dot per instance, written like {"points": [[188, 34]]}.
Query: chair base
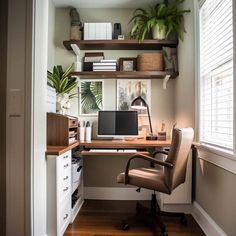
{"points": [[152, 216]]}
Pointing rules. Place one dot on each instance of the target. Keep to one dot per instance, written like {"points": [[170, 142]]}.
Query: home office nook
{"points": [[122, 101]]}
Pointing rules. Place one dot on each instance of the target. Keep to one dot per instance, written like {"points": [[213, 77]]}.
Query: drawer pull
{"points": [[65, 166], [65, 189], [67, 177], [65, 157], [65, 217]]}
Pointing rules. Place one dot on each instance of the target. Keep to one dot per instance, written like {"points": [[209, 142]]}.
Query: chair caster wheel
{"points": [[183, 220], [164, 234], [124, 226]]}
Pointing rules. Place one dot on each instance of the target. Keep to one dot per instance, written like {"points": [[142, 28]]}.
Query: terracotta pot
{"points": [[159, 33]]}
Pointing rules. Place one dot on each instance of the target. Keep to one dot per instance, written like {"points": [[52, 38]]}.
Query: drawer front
{"points": [[64, 215], [73, 123], [63, 176]]}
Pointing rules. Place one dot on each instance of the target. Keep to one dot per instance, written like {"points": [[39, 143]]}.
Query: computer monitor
{"points": [[117, 124]]}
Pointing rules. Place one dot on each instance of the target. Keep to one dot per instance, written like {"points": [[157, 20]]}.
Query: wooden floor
{"points": [[103, 218]]}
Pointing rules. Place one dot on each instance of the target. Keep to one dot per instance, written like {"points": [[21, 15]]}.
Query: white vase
{"points": [[63, 103], [159, 33]]}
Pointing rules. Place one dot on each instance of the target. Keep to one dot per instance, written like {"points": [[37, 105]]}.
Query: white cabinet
{"points": [[58, 193]]}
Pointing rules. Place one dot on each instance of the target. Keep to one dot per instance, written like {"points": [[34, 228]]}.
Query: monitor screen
{"points": [[117, 123]]}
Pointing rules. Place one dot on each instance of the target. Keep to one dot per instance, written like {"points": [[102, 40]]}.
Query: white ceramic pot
{"points": [[63, 103], [159, 33]]}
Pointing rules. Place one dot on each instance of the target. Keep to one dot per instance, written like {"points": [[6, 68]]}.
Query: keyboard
{"points": [[114, 150]]}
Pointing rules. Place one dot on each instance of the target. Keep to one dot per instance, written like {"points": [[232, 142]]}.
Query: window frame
{"points": [[225, 157]]}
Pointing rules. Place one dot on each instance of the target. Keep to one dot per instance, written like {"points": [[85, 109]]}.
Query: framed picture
{"points": [[128, 90], [128, 64], [90, 97]]}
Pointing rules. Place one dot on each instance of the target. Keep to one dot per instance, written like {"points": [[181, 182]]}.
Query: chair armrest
{"points": [[154, 155], [157, 152], [147, 158]]}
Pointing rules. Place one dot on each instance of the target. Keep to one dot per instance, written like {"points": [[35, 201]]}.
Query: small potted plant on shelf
{"points": [[160, 20], [63, 84]]}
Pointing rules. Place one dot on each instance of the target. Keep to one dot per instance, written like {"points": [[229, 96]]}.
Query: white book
{"points": [[108, 60], [104, 69], [86, 29], [100, 31], [108, 31], [104, 64], [92, 32]]}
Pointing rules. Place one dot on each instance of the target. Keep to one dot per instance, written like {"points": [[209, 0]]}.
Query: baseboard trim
{"points": [[207, 224], [102, 193]]}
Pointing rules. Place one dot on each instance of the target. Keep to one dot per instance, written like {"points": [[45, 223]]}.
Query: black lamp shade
{"points": [[139, 103]]}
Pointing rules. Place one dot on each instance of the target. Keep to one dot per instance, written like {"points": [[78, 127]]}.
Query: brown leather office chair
{"points": [[164, 181]]}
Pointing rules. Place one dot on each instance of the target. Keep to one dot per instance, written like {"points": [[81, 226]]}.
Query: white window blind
{"points": [[216, 73]]}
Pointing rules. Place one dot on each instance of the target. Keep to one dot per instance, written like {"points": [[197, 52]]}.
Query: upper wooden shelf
{"points": [[126, 74], [128, 44]]}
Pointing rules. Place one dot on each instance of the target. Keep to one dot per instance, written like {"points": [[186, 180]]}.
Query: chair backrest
{"points": [[178, 155]]}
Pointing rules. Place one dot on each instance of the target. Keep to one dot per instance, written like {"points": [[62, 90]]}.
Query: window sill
{"points": [[217, 156]]}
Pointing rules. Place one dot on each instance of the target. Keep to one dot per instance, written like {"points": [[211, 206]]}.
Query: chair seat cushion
{"points": [[146, 178]]}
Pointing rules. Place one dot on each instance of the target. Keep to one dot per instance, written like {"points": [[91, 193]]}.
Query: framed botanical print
{"points": [[90, 97]]}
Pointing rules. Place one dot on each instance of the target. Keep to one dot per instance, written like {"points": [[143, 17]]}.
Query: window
{"points": [[216, 73]]}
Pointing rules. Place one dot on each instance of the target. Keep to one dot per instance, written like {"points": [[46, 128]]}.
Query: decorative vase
{"points": [[63, 103], [159, 32]]}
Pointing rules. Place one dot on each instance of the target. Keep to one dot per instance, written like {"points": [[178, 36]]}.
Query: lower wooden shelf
{"points": [[126, 74]]}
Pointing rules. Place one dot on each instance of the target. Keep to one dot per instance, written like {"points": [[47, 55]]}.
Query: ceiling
{"points": [[103, 3]]}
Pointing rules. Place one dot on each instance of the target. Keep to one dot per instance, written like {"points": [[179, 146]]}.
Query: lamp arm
{"points": [[149, 118]]}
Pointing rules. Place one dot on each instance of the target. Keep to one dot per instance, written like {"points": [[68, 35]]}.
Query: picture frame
{"points": [[128, 64], [91, 97], [128, 90]]}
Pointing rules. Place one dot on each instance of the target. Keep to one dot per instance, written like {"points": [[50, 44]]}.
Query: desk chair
{"points": [[164, 181]]}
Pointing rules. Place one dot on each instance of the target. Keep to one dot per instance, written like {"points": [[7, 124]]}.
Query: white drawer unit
{"points": [[58, 193]]}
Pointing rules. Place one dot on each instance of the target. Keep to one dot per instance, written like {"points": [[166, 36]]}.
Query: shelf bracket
{"points": [[75, 49], [165, 81]]}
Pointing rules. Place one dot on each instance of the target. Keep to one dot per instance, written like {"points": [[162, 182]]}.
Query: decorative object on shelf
{"points": [[121, 37], [91, 97], [128, 90], [117, 30], [64, 84], [150, 62], [170, 59], [160, 20], [128, 64], [162, 134], [140, 104], [76, 25]]}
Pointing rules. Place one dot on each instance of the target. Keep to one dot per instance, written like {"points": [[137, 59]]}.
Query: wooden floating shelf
{"points": [[126, 74], [127, 44]]}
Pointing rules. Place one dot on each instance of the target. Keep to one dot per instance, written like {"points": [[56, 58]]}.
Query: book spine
{"points": [[104, 64]]}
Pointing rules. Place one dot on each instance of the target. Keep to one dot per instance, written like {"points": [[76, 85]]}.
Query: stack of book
{"points": [[105, 65], [90, 58]]}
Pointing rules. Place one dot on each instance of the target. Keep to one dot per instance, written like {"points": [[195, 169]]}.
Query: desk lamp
{"points": [[140, 104]]}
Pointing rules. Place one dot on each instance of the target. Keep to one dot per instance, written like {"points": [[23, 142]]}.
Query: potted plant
{"points": [[63, 84], [160, 20]]}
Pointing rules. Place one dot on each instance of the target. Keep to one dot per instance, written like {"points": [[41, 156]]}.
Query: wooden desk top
{"points": [[137, 143], [58, 150]]}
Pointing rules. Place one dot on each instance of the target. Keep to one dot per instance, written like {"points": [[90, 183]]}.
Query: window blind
{"points": [[216, 73]]}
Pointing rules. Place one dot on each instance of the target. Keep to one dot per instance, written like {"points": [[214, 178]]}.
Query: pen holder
{"points": [[81, 133], [88, 133]]}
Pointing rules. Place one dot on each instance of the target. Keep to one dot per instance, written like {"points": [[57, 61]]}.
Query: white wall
{"points": [[39, 114]]}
